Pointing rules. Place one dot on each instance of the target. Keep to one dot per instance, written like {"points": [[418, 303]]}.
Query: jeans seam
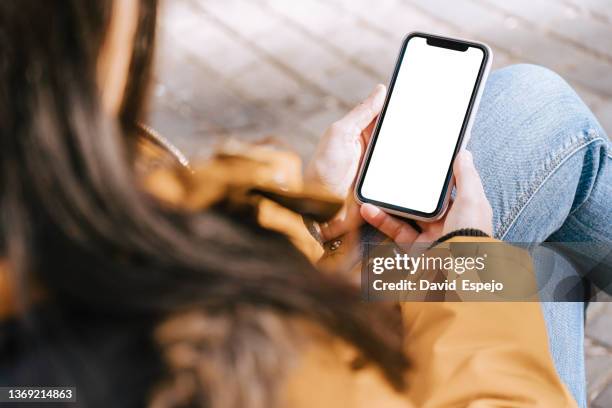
{"points": [[607, 154], [560, 159]]}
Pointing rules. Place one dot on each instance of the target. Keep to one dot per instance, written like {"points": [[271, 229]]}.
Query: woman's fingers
{"points": [[347, 220], [366, 135], [338, 154], [336, 160], [471, 208], [467, 179], [397, 230], [358, 119]]}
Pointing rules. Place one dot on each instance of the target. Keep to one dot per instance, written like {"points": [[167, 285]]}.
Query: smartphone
{"points": [[431, 102]]}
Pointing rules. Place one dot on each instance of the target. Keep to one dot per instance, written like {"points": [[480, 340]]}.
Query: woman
{"points": [[135, 301]]}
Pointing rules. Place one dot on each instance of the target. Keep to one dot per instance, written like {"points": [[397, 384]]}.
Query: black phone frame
{"points": [[436, 41]]}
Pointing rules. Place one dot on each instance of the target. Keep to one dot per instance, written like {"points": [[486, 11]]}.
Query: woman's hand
{"points": [[338, 157], [470, 209]]}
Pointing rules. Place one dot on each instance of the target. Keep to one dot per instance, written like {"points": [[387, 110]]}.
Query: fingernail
{"points": [[370, 210], [465, 158], [373, 92]]}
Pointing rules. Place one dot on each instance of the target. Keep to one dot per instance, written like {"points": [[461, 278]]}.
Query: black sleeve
{"points": [[463, 232]]}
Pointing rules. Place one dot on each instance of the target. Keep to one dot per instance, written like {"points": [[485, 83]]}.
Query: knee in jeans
{"points": [[527, 82], [531, 74], [538, 96]]}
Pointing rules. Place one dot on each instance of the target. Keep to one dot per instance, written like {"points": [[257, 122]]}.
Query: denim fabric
{"points": [[546, 166]]}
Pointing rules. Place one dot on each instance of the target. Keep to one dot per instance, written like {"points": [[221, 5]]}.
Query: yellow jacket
{"points": [[475, 355], [462, 354]]}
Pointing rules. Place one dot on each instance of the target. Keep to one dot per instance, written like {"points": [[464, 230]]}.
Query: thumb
{"points": [[471, 209], [363, 114], [467, 179]]}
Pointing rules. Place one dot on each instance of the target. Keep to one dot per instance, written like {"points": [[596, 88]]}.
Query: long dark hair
{"points": [[74, 220]]}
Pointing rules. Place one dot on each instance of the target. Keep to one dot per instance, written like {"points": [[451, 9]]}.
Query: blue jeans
{"points": [[546, 166]]}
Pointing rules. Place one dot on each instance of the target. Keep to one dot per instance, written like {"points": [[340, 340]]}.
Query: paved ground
{"points": [[289, 68]]}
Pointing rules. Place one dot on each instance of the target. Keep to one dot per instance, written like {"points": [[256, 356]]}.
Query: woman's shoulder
{"points": [[330, 373]]}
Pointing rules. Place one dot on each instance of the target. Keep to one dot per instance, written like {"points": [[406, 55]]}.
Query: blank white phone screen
{"points": [[421, 126]]}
